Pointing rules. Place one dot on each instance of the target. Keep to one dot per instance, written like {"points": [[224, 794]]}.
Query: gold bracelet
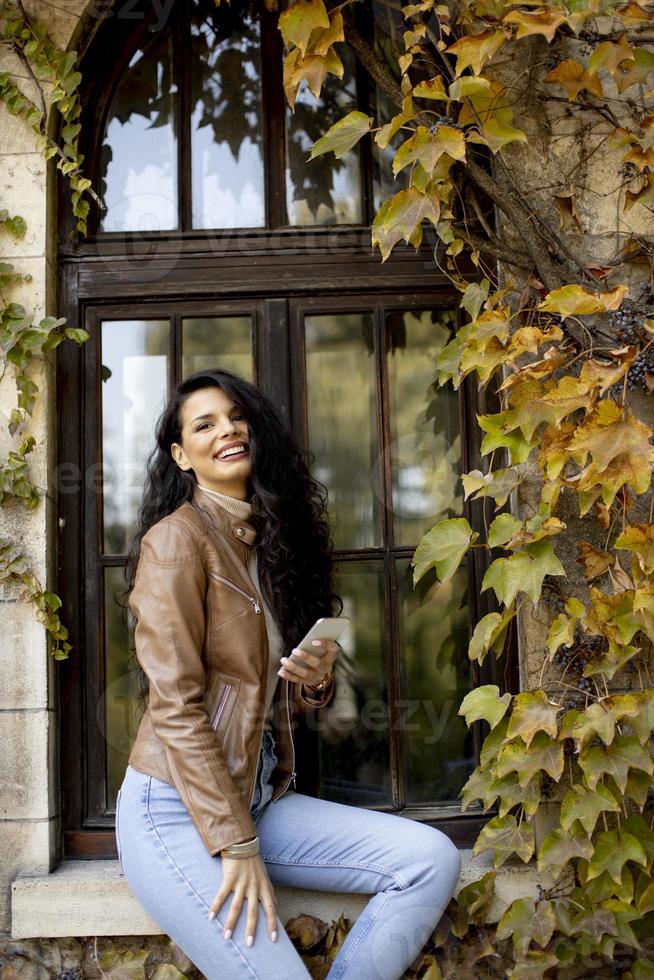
{"points": [[319, 688], [245, 849]]}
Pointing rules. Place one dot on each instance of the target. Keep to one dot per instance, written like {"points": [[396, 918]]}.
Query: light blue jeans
{"points": [[409, 869]]}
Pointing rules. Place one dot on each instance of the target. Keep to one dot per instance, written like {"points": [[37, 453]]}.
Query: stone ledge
{"points": [[92, 898]]}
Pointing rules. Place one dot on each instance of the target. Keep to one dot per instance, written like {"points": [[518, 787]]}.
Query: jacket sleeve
{"points": [[168, 603]]}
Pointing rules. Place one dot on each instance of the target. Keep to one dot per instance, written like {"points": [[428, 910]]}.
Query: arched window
{"points": [[221, 244]]}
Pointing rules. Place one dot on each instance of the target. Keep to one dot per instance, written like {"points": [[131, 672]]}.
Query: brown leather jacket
{"points": [[201, 638]]}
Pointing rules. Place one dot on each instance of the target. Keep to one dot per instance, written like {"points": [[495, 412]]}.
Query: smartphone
{"points": [[327, 628]]}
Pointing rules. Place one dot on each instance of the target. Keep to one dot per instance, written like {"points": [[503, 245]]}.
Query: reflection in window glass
{"points": [[122, 711], [324, 191], [139, 151], [425, 450], [222, 341], [134, 387], [354, 729], [341, 414], [434, 631], [226, 127]]}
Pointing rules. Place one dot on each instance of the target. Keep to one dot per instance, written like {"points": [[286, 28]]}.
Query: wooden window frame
{"points": [[128, 276]]}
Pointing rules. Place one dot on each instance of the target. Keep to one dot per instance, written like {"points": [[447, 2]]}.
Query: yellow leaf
{"points": [[639, 539], [468, 85], [544, 22], [322, 40], [633, 13], [298, 22], [388, 131], [312, 69], [555, 449], [433, 88], [579, 301], [474, 50], [400, 217], [609, 56], [552, 360], [610, 431], [636, 73], [343, 135], [427, 149]]}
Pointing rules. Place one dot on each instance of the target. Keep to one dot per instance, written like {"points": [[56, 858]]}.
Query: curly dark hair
{"points": [[289, 508]]}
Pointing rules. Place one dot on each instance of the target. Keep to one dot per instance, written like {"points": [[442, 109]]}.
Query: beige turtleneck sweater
{"points": [[243, 510]]}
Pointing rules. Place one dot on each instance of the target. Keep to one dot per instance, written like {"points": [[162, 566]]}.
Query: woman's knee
{"points": [[439, 857]]}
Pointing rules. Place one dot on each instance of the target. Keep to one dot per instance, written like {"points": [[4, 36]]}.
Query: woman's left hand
{"points": [[309, 668]]}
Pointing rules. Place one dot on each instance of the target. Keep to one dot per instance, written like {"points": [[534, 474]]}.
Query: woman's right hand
{"points": [[248, 879]]}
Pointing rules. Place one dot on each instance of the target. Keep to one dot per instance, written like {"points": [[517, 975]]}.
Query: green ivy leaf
{"points": [[533, 966], [642, 831], [542, 754], [498, 485], [344, 134], [597, 721], [490, 634], [485, 702], [561, 631], [533, 712], [443, 548], [522, 572], [559, 848], [525, 920], [579, 804], [493, 743], [502, 529], [477, 787], [511, 794], [615, 760], [504, 836], [641, 969]]}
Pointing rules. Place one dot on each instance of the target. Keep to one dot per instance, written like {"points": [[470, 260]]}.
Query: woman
{"points": [[229, 569]]}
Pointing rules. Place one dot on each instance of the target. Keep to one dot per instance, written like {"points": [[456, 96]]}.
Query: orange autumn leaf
{"points": [[595, 562], [574, 77]]}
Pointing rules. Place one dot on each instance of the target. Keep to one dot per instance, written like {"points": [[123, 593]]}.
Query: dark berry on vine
{"points": [[443, 121]]}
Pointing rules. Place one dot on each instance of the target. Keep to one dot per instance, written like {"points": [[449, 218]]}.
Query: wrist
{"points": [[242, 850]]}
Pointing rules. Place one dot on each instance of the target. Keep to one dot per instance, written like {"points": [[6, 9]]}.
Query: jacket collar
{"points": [[215, 514]]}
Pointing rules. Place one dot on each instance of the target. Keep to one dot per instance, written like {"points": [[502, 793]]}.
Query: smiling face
{"points": [[211, 424]]}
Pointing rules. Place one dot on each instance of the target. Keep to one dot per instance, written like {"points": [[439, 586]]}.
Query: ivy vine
{"points": [[53, 83]]}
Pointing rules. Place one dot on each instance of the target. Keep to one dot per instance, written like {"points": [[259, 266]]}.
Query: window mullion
{"points": [[274, 116], [183, 108]]}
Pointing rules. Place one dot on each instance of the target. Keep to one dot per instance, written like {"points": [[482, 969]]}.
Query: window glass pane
{"points": [[122, 711], [324, 191], [434, 631], [425, 450], [139, 152], [226, 126], [341, 415], [221, 341], [134, 387], [354, 729]]}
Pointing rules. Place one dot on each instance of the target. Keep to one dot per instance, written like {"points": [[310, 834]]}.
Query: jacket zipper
{"points": [[237, 588], [292, 776], [221, 705]]}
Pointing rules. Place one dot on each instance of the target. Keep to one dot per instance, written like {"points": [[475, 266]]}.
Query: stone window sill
{"points": [[92, 898]]}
